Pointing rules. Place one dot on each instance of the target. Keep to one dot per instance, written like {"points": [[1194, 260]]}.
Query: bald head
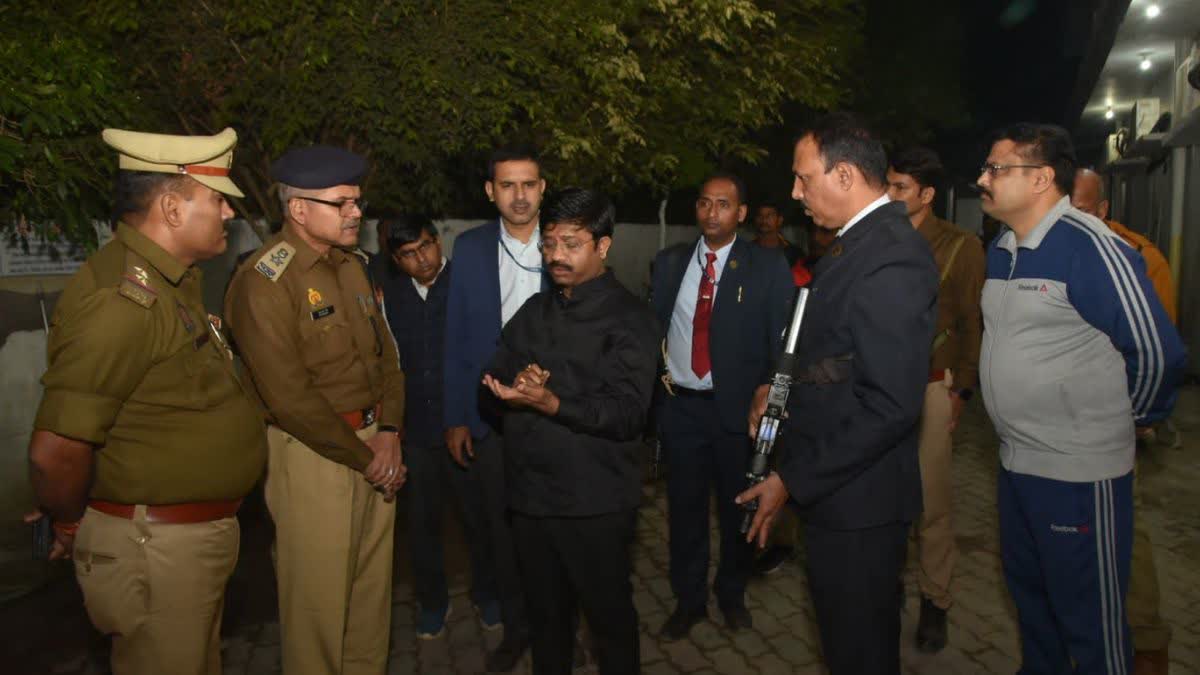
{"points": [[1088, 194]]}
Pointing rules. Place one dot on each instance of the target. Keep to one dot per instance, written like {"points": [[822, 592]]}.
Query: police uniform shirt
{"points": [[315, 343], [139, 369]]}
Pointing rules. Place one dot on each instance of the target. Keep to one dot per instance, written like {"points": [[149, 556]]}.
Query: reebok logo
{"points": [[1043, 289], [1070, 529]]}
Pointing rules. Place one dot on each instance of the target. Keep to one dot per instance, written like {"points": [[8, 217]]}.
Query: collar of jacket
{"points": [[306, 257], [592, 288], [860, 229], [171, 269], [933, 225]]}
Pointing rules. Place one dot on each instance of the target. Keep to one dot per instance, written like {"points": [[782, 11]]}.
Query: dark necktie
{"points": [[701, 363]]}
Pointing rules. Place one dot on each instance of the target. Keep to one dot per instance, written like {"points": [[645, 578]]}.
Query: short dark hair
{"points": [[512, 153], [922, 164], [406, 228], [844, 137], [769, 204], [738, 183], [1047, 144], [589, 209], [133, 190]]}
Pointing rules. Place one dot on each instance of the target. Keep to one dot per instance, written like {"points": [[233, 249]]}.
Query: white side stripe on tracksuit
{"points": [[1112, 606], [1150, 362]]}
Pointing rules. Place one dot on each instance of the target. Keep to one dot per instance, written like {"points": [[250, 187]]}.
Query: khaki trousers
{"points": [[333, 561], [1150, 632], [934, 530], [157, 589]]}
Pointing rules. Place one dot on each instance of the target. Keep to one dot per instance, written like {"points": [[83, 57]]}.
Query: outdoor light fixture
{"points": [[1108, 114], [1153, 10], [1145, 64]]}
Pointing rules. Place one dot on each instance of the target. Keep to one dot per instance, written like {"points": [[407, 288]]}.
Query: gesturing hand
{"points": [[527, 391]]}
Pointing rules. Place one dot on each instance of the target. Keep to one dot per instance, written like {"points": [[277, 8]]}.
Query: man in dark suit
{"points": [[848, 455], [723, 303], [497, 267]]}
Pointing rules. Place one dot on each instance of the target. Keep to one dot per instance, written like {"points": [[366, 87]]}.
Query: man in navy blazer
{"points": [[497, 267], [848, 448], [724, 303]]}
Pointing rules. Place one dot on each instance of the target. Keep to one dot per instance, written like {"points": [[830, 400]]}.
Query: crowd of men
{"points": [[516, 382]]}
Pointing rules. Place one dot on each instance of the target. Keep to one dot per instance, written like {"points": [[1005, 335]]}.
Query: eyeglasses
{"points": [[420, 250], [994, 169], [571, 245], [344, 206]]}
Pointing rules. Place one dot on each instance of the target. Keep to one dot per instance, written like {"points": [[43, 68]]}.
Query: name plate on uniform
{"points": [[321, 313]]}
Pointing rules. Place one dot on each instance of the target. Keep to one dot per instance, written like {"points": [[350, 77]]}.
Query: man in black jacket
{"points": [[723, 304], [849, 446], [575, 368], [415, 279]]}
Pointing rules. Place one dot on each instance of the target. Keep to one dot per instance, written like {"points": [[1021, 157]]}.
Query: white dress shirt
{"points": [[679, 333], [863, 214], [517, 282]]}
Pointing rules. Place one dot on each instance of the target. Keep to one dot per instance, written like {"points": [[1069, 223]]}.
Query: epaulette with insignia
{"points": [[272, 263], [135, 285]]}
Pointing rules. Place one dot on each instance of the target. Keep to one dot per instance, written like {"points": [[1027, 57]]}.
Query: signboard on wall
{"points": [[35, 256]]}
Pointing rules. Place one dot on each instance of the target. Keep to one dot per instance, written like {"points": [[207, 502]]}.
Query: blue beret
{"points": [[318, 167]]}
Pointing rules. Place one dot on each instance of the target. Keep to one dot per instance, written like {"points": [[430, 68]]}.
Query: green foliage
{"points": [[59, 86], [621, 94]]}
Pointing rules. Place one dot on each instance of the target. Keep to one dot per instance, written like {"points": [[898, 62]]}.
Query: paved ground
{"points": [[982, 630]]}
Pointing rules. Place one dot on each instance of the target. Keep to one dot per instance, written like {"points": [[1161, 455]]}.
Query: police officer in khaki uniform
{"points": [[145, 443], [324, 364]]}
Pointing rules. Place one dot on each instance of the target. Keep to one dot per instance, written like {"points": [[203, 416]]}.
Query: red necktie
{"points": [[701, 363]]}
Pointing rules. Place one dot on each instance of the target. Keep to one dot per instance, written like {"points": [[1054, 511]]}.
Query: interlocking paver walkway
{"points": [[983, 636]]}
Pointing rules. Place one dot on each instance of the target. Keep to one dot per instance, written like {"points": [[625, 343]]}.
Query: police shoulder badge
{"points": [[135, 285], [272, 263]]}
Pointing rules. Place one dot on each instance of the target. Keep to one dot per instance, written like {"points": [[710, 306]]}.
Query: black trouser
{"points": [[432, 477], [701, 453], [584, 563], [489, 464], [852, 577]]}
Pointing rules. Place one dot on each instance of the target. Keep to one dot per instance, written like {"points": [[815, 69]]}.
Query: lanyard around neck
{"points": [[518, 263]]}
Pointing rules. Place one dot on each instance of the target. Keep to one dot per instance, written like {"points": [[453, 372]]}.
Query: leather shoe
{"points": [[506, 655], [681, 621], [1150, 662], [931, 628], [737, 617]]}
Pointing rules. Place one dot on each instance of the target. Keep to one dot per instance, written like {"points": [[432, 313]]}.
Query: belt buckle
{"points": [[368, 416]]}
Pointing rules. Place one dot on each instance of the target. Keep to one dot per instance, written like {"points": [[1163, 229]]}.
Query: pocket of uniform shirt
{"points": [[325, 341]]}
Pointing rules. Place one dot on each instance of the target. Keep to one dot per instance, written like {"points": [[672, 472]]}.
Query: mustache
{"points": [[980, 190], [562, 266]]}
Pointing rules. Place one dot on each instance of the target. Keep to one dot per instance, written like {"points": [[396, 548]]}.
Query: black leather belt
{"points": [[684, 392]]}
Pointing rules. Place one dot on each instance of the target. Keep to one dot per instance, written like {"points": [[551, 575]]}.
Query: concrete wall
{"points": [[22, 361]]}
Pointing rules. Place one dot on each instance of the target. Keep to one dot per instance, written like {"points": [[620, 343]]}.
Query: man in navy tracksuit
{"points": [[1077, 350]]}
